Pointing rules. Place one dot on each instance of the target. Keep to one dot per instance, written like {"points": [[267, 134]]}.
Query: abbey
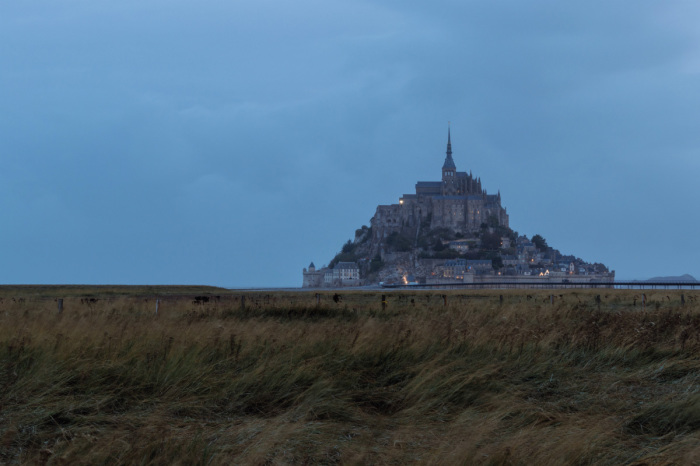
{"points": [[449, 232], [457, 202]]}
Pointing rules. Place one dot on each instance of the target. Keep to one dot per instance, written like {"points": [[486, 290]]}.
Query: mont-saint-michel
{"points": [[449, 231]]}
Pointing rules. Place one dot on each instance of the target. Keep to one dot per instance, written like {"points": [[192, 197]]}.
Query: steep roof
{"points": [[346, 265], [480, 262], [456, 262], [449, 163]]}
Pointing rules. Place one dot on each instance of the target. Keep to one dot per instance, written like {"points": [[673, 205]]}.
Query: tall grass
{"points": [[283, 378]]}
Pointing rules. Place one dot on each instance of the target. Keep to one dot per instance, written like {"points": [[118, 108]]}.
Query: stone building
{"points": [[457, 202], [342, 274], [455, 268], [480, 267], [313, 278]]}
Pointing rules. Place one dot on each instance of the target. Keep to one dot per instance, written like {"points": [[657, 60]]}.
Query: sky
{"points": [[231, 143]]}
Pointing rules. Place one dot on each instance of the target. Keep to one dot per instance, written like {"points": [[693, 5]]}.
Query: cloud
{"points": [[283, 126]]}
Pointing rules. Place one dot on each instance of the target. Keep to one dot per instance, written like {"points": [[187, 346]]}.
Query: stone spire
{"points": [[449, 163], [449, 142]]}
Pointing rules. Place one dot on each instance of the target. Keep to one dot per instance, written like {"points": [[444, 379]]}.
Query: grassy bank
{"points": [[457, 377]]}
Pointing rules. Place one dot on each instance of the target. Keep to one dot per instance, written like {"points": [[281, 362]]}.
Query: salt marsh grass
{"points": [[534, 377]]}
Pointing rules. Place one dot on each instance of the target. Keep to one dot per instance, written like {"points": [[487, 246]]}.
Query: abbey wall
{"points": [[457, 202]]}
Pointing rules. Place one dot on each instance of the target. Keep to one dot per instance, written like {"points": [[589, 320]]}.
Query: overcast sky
{"points": [[231, 143]]}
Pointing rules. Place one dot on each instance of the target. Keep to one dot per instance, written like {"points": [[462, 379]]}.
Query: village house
{"points": [[459, 245], [342, 274], [480, 267]]}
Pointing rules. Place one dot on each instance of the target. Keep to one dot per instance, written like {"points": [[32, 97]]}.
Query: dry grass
{"points": [[292, 377]]}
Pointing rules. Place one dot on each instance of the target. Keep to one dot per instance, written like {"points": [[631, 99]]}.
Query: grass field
{"points": [[430, 377]]}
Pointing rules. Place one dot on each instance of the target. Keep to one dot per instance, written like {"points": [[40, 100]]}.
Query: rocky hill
{"points": [[686, 278], [399, 258], [450, 230]]}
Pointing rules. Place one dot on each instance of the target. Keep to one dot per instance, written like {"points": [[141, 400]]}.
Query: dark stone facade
{"points": [[457, 202]]}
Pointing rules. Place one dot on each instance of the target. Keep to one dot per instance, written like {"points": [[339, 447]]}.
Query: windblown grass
{"points": [[278, 378]]}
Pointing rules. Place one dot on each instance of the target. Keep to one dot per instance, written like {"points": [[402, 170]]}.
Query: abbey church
{"points": [[457, 202]]}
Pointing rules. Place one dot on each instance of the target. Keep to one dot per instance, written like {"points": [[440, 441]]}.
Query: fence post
{"points": [[683, 299], [383, 302], [157, 305], [60, 305], [242, 302]]}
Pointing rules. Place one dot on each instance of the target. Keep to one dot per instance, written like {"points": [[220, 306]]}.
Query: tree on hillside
{"points": [[490, 241], [348, 247], [342, 257], [540, 243]]}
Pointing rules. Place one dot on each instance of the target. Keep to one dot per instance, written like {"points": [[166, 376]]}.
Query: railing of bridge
{"points": [[550, 285]]}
